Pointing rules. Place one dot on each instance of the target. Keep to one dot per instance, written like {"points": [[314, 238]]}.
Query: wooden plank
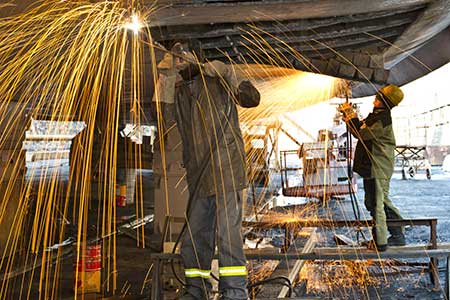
{"points": [[342, 253], [298, 265], [173, 13], [290, 268], [435, 19], [341, 239], [339, 254], [297, 126], [392, 249], [340, 223], [358, 253]]}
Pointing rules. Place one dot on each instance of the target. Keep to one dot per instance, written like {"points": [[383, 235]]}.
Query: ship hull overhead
{"points": [[369, 42]]}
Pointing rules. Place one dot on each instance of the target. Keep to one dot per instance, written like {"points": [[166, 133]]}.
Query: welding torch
{"points": [[180, 53], [347, 108]]}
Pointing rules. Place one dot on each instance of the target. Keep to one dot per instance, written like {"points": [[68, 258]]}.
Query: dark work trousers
{"points": [[377, 202], [211, 217]]}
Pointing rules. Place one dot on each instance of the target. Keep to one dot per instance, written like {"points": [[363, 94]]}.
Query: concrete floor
{"points": [[133, 262]]}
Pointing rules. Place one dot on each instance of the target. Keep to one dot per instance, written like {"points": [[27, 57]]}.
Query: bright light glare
{"points": [[295, 91], [134, 25]]}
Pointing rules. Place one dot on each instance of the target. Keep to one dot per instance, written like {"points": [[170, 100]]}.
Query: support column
{"points": [[127, 162], [13, 204], [171, 192]]}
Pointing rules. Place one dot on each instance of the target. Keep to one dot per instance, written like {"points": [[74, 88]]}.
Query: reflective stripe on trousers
{"points": [[233, 271], [192, 273]]}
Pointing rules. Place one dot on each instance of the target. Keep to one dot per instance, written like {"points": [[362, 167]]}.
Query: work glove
{"points": [[217, 68], [165, 87], [166, 63], [347, 111]]}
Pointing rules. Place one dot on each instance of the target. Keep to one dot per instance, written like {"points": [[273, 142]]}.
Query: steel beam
{"points": [[433, 20], [188, 13], [211, 31]]}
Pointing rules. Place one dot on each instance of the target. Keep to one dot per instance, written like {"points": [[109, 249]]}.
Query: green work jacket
{"points": [[213, 148], [375, 150]]}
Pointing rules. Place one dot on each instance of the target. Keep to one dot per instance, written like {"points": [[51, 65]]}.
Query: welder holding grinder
{"points": [[374, 161]]}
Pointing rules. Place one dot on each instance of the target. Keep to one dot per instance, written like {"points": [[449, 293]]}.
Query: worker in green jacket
{"points": [[374, 161]]}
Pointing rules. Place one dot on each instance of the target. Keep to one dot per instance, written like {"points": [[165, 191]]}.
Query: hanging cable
{"points": [[352, 192], [283, 280], [200, 175]]}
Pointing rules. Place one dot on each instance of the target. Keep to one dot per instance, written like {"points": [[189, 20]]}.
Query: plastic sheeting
{"points": [[446, 164]]}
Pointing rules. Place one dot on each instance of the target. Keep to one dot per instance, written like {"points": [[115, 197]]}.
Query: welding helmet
{"points": [[391, 95], [190, 67]]}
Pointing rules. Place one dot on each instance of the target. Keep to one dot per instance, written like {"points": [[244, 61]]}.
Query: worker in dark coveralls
{"points": [[206, 98], [374, 161]]}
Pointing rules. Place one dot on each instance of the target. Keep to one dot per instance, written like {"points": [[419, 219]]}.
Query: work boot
{"points": [[185, 295], [372, 245], [397, 240]]}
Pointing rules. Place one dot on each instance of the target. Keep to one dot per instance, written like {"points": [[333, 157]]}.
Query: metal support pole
{"points": [[156, 280], [287, 237], [433, 233], [447, 279], [434, 262], [285, 174]]}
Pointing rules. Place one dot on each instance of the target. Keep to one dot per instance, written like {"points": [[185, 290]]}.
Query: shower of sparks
{"points": [[332, 276], [352, 279]]}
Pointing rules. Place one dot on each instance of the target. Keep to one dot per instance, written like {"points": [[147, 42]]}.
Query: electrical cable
{"points": [[214, 277], [287, 283], [181, 55], [353, 197], [172, 266]]}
